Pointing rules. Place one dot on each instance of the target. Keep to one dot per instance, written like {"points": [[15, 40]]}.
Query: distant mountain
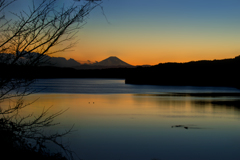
{"points": [[45, 60], [112, 62], [62, 62]]}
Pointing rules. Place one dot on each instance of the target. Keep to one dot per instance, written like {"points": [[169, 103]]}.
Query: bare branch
{"points": [[26, 40]]}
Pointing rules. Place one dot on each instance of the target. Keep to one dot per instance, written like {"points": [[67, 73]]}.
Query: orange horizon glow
{"points": [[145, 60], [151, 48], [143, 33], [160, 32]]}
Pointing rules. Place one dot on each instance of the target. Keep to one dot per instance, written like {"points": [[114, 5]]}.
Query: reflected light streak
{"points": [[124, 108]]}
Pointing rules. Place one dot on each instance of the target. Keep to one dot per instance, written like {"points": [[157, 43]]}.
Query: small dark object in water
{"points": [[180, 126]]}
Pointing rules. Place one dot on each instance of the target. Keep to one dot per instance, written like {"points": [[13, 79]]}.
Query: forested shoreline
{"points": [[196, 73]]}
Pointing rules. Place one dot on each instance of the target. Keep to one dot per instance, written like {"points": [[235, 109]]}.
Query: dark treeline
{"points": [[57, 72], [200, 73], [197, 73]]}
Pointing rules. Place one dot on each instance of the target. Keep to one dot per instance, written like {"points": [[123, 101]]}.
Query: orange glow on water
{"points": [[123, 106]]}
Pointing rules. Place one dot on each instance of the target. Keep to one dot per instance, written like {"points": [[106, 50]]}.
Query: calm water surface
{"points": [[115, 121]]}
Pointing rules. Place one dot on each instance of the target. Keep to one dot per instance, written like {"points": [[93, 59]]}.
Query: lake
{"points": [[117, 121]]}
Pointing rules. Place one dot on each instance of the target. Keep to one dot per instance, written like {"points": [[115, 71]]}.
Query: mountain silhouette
{"points": [[63, 62], [112, 61]]}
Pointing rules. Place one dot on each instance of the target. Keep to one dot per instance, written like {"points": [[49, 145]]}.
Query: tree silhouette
{"points": [[25, 40]]}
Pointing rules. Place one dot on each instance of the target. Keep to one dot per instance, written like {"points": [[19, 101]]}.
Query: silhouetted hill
{"points": [[110, 62], [196, 73], [113, 61], [45, 60], [63, 62]]}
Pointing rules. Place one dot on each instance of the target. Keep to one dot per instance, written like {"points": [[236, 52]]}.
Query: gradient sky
{"points": [[156, 31]]}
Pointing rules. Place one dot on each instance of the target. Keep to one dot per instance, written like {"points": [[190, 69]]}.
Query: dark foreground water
{"points": [[115, 121]]}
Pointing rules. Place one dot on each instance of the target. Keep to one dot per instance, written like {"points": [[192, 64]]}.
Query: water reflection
{"points": [[134, 126], [209, 103]]}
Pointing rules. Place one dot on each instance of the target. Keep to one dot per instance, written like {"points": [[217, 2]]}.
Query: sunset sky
{"points": [[155, 31]]}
